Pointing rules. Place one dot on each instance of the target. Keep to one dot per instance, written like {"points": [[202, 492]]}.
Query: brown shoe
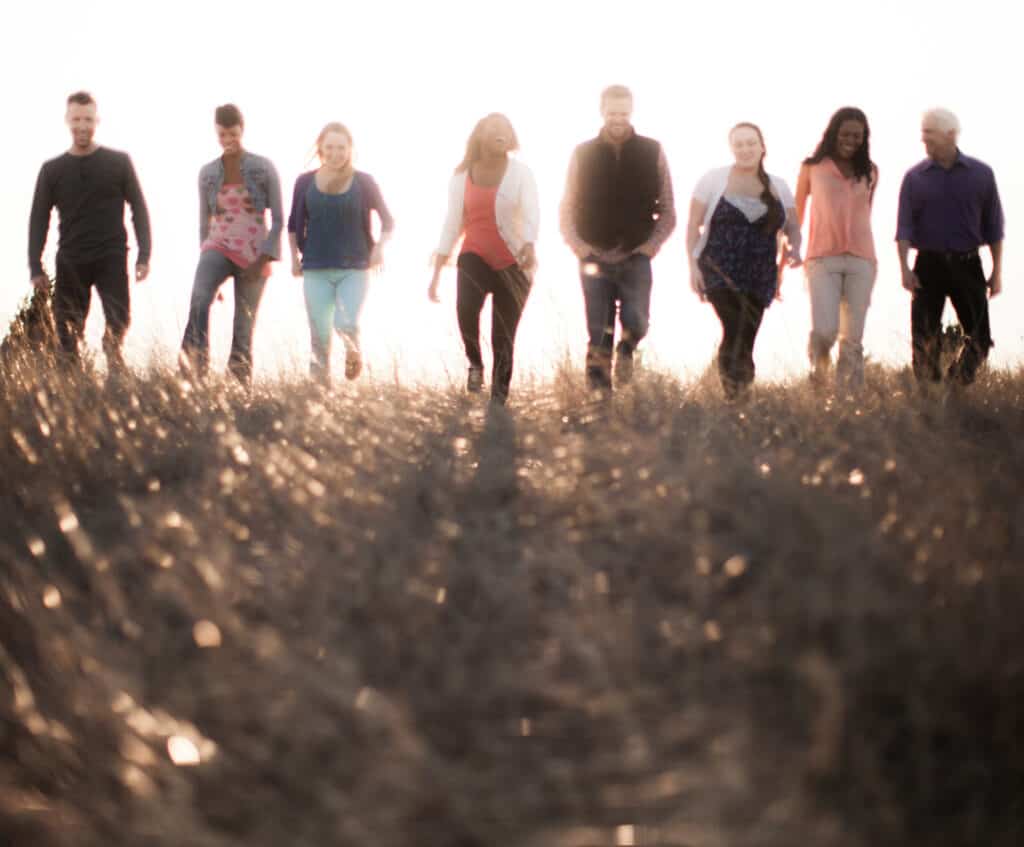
{"points": [[353, 363]]}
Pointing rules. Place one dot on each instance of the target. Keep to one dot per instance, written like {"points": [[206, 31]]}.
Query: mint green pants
{"points": [[334, 301]]}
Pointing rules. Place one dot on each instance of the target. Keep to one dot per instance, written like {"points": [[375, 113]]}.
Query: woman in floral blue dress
{"points": [[739, 214]]}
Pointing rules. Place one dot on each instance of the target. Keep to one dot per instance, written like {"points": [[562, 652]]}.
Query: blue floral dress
{"points": [[739, 255]]}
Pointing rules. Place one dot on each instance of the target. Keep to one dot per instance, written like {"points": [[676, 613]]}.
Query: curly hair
{"points": [[863, 167]]}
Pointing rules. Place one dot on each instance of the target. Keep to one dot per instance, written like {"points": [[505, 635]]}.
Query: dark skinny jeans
{"points": [[509, 289], [740, 314]]}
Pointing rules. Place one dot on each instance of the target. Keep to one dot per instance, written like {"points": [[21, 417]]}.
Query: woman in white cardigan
{"points": [[739, 214], [492, 200]]}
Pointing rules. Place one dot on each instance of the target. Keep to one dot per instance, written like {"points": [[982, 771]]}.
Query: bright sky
{"points": [[411, 79]]}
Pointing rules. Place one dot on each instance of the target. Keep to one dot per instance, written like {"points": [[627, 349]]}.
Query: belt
{"points": [[952, 255]]}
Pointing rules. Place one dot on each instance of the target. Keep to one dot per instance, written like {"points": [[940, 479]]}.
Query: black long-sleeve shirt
{"points": [[89, 193]]}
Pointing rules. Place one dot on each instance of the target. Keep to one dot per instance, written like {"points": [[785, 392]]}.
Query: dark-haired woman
{"points": [[736, 216], [492, 200], [840, 179], [236, 190], [331, 237]]}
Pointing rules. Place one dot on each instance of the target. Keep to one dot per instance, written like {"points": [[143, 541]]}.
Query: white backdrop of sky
{"points": [[411, 79]]}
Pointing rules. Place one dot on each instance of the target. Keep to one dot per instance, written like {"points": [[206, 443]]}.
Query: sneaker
{"points": [[599, 367], [475, 380], [353, 363], [624, 363]]}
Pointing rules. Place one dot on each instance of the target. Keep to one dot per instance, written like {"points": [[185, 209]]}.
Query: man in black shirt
{"points": [[89, 185]]}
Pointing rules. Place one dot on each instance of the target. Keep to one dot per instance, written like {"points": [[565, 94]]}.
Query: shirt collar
{"points": [[960, 161]]}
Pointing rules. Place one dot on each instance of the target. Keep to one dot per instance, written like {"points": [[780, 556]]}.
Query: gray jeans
{"points": [[840, 289], [213, 269]]}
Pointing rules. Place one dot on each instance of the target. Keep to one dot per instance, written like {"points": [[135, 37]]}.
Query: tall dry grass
{"points": [[792, 620]]}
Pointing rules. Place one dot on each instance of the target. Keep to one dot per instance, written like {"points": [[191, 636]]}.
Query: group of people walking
{"points": [[617, 211]]}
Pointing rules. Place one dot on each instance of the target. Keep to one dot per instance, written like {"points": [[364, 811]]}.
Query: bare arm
{"points": [[803, 191], [794, 238]]}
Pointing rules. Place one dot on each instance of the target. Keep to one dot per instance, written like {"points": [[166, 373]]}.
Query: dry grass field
{"points": [[392, 615]]}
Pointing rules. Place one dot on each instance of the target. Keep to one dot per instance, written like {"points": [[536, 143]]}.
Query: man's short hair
{"points": [[81, 98], [614, 92], [945, 119], [228, 115]]}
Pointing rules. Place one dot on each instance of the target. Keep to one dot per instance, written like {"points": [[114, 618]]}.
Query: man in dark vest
{"points": [[616, 213]]}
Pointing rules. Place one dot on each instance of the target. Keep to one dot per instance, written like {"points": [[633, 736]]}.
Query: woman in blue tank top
{"points": [[333, 249]]}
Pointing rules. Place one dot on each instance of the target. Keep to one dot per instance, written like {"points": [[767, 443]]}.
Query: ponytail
{"points": [[776, 215]]}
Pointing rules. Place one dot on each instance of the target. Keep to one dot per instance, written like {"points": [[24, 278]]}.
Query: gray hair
{"points": [[944, 119]]}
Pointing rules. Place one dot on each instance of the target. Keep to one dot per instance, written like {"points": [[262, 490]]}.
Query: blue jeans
{"points": [[625, 284], [214, 267], [334, 298]]}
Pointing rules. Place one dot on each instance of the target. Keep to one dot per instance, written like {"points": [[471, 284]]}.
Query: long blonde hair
{"points": [[473, 144], [335, 126]]}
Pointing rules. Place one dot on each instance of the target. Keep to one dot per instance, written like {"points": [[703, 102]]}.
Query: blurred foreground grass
{"points": [[391, 615]]}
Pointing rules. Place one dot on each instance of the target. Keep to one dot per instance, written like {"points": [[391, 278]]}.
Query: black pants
{"points": [[740, 314], [961, 278], [73, 294], [509, 289]]}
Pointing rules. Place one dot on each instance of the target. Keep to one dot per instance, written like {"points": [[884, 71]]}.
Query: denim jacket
{"points": [[264, 187]]}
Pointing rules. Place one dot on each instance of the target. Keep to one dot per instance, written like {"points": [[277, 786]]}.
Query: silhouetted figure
{"points": [[89, 185]]}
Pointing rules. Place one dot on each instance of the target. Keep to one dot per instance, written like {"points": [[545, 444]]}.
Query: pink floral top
{"points": [[236, 230]]}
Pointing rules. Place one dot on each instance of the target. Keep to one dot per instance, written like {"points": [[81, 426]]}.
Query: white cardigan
{"points": [[515, 208], [711, 187]]}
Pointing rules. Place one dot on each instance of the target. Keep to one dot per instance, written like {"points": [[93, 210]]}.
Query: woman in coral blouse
{"points": [[492, 200], [840, 180]]}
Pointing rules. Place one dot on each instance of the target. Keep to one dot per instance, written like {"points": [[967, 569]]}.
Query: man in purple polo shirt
{"points": [[949, 208]]}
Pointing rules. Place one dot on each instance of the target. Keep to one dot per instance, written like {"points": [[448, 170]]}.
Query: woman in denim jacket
{"points": [[235, 191]]}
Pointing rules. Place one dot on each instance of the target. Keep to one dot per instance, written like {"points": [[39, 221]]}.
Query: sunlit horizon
{"points": [[411, 82]]}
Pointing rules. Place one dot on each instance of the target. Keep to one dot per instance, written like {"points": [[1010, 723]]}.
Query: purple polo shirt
{"points": [[956, 210]]}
